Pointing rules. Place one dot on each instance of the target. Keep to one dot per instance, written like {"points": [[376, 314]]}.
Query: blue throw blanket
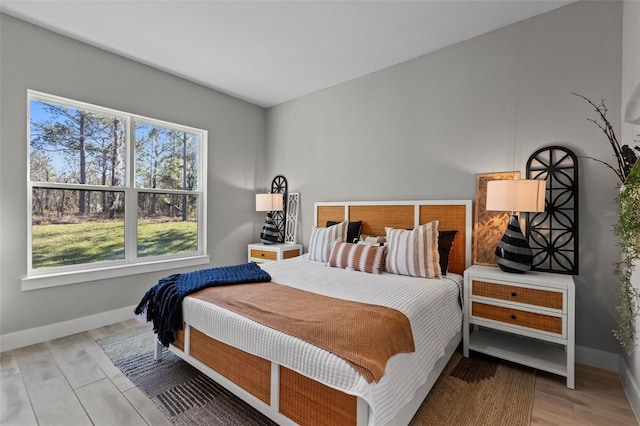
{"points": [[163, 302]]}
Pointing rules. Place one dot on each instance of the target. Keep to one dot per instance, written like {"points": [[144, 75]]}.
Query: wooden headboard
{"points": [[376, 215]]}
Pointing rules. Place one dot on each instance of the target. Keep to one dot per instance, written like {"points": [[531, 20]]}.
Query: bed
{"points": [[295, 382]]}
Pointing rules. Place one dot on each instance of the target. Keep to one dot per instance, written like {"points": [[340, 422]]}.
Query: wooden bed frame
{"points": [[290, 398]]}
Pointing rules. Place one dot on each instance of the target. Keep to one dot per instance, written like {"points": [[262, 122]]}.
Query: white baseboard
{"points": [[584, 355], [35, 335], [596, 358], [630, 387]]}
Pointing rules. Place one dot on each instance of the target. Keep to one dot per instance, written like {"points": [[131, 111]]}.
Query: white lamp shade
{"points": [[518, 195], [269, 202]]}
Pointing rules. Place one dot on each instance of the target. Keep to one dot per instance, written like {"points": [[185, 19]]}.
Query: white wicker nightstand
{"points": [[272, 252], [525, 318]]}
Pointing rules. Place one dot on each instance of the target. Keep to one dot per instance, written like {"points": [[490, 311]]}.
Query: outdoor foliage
{"points": [[72, 149]]}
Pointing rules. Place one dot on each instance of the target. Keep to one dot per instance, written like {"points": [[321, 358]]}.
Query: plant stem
{"points": [[611, 136]]}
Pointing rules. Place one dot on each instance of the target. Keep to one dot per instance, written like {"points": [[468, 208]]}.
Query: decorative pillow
{"points": [[353, 230], [358, 257], [372, 240], [414, 252], [322, 240], [445, 241]]}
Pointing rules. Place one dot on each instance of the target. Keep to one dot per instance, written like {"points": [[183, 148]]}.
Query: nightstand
{"points": [[525, 318], [273, 252]]}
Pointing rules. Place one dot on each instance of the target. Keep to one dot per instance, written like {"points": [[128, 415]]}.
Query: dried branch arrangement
{"points": [[625, 156]]}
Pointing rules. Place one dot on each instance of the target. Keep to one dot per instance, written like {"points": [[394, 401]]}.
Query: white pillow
{"points": [[322, 240], [415, 252]]}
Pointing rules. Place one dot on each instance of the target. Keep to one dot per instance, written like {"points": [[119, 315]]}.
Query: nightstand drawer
{"points": [[290, 254], [529, 296], [260, 253], [517, 317], [264, 254]]}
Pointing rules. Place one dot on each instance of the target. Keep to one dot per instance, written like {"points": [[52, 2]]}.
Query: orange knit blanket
{"points": [[364, 335]]}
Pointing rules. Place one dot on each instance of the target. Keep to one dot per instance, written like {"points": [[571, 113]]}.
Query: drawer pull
{"points": [[514, 294], [262, 254], [513, 317]]}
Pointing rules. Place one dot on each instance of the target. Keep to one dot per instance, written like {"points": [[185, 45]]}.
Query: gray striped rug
{"points": [[182, 393]]}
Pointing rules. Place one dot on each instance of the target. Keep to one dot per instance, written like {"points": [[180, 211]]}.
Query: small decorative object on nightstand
{"points": [[260, 253], [528, 319]]}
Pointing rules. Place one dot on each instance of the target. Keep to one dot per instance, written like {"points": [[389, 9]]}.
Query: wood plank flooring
{"points": [[70, 381], [598, 399]]}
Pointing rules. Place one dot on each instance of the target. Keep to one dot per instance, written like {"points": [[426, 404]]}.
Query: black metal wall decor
{"points": [[279, 186], [553, 234]]}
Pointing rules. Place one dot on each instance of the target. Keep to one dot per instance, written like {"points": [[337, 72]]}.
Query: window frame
{"points": [[131, 264]]}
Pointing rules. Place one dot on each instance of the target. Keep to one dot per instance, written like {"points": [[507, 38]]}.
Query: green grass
{"points": [[101, 241], [158, 238]]}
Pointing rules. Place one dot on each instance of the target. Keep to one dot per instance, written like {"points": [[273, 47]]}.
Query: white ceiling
{"points": [[268, 52]]}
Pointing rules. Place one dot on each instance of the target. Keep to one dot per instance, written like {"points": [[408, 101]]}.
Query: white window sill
{"points": [[45, 280]]}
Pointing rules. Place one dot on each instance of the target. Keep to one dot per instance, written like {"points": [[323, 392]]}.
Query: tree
{"points": [[149, 154], [79, 140], [117, 166], [41, 170], [165, 159]]}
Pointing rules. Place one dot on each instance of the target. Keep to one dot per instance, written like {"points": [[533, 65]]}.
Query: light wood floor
{"points": [[598, 399], [70, 381]]}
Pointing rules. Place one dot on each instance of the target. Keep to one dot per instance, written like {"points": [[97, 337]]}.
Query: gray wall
{"points": [[422, 129], [425, 128], [34, 58]]}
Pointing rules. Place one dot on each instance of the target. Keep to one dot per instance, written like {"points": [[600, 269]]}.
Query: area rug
{"points": [[479, 390], [471, 391], [183, 394]]}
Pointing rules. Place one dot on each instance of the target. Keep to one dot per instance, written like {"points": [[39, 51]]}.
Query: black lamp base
{"points": [[513, 253], [269, 234]]}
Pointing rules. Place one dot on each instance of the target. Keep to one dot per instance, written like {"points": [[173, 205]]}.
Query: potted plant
{"points": [[628, 230], [627, 170]]}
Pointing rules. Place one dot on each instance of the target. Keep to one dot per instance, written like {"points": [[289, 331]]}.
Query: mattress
{"points": [[431, 305]]}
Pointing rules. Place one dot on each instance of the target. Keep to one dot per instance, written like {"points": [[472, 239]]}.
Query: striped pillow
{"points": [[322, 240], [358, 257], [415, 252]]}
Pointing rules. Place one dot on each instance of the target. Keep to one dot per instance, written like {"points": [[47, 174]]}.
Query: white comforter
{"points": [[432, 307]]}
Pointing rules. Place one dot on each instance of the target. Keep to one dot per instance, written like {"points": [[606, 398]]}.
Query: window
{"points": [[111, 193]]}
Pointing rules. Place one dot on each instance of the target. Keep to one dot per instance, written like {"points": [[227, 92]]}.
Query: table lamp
{"points": [[270, 202], [513, 253]]}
